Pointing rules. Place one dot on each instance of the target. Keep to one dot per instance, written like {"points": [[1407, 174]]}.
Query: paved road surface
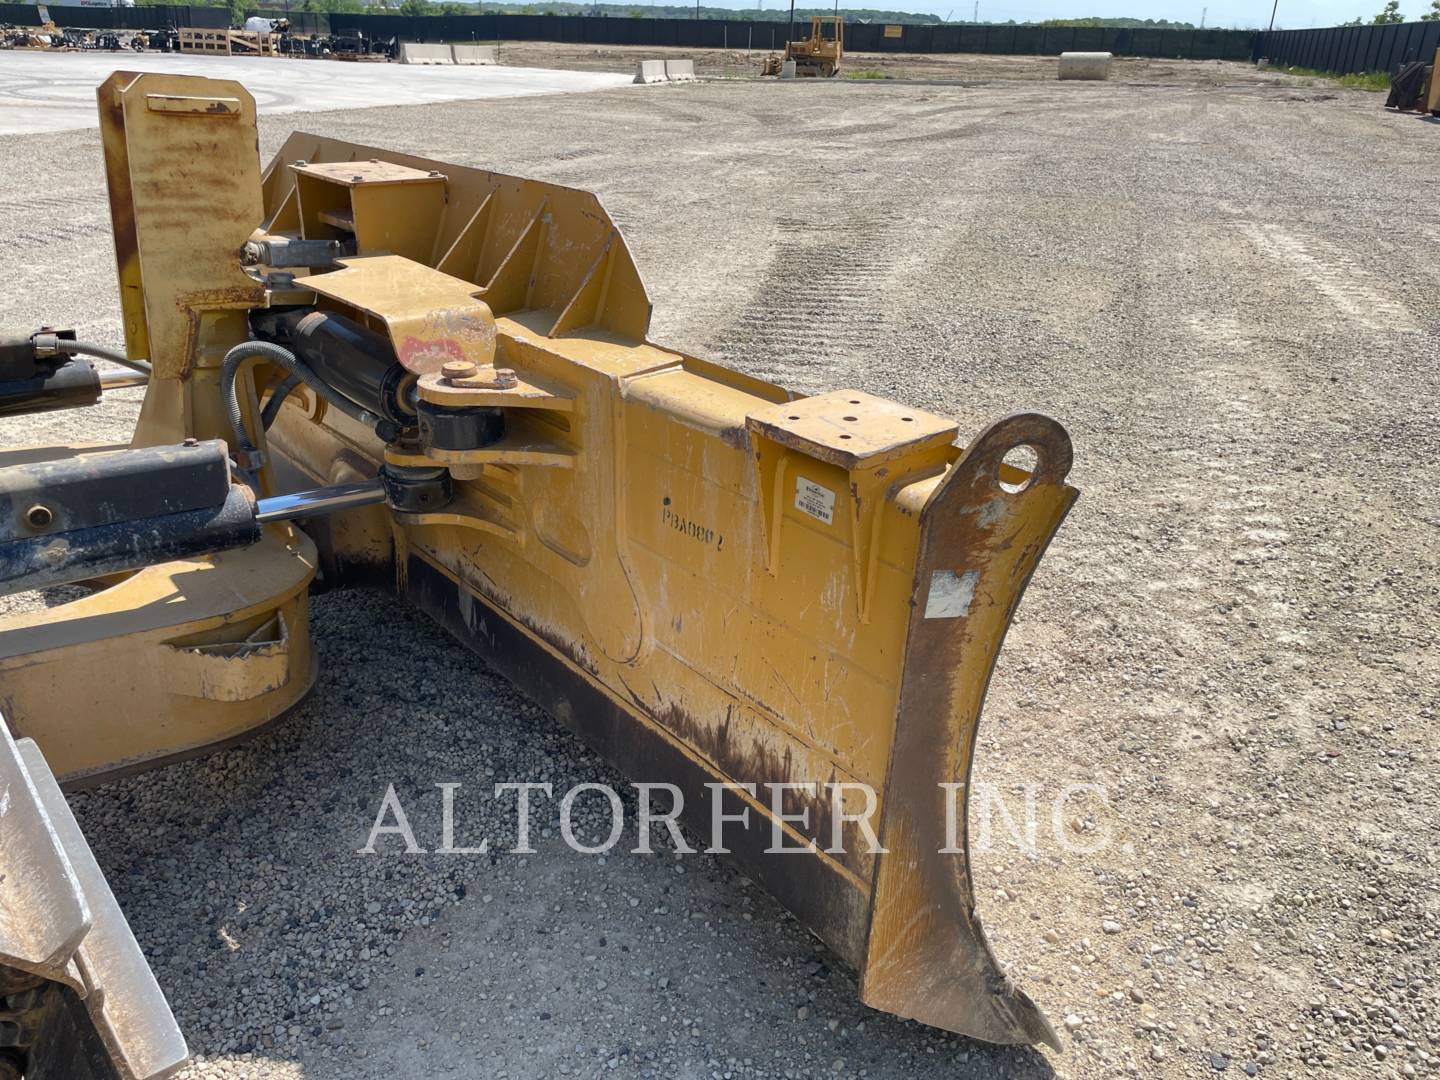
{"points": [[42, 91]]}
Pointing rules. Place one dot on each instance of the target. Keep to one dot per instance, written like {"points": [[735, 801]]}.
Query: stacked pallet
{"points": [[228, 42]]}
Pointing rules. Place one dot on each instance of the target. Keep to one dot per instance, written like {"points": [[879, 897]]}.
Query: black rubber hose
{"points": [[272, 407], [113, 355], [247, 351]]}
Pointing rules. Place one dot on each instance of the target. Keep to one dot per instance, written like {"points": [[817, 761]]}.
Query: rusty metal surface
{"points": [[524, 394], [850, 427], [926, 955], [354, 173], [43, 913], [124, 1002], [185, 196], [60, 921], [168, 677], [430, 317]]}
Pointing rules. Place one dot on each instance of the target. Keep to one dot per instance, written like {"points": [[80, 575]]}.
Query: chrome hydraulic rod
{"points": [[119, 380], [324, 500]]}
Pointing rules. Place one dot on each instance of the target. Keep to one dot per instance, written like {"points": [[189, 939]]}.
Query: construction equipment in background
{"points": [[816, 56], [373, 368], [357, 46], [1414, 88], [45, 36]]}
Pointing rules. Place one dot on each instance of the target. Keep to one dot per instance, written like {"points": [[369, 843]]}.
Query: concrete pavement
{"points": [[55, 91]]}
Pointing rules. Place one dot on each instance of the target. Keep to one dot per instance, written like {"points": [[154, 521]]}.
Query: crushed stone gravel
{"points": [[1225, 292]]}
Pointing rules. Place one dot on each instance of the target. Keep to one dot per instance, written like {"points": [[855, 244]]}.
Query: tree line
{"points": [[1391, 14], [239, 9]]}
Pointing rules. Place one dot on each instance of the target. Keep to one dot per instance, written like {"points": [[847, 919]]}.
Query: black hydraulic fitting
{"points": [[470, 428], [416, 490]]}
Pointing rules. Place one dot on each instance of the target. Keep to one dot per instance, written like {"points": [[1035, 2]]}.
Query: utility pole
{"points": [[1273, 8], [1203, 12], [977, 12], [792, 20]]}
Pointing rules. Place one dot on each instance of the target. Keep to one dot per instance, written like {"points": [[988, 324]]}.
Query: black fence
{"points": [[119, 18], [685, 33], [1349, 50]]}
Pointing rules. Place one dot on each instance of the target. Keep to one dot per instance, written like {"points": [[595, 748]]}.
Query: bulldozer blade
{"points": [[905, 916], [787, 607], [710, 580], [77, 999]]}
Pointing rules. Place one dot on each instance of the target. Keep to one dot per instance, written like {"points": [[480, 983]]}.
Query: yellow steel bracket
{"points": [[880, 446]]}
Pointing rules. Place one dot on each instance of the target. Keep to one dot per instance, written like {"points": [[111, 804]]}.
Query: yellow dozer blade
{"points": [[789, 607]]}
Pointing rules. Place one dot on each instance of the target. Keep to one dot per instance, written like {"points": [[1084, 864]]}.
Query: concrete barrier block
{"points": [[415, 52], [680, 70], [475, 54], [650, 71], [787, 69], [1092, 66]]}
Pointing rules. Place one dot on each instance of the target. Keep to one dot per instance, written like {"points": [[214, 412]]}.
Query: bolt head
{"points": [[505, 378], [39, 516], [458, 369]]}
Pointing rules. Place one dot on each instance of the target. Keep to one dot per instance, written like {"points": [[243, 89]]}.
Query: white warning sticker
{"points": [[812, 499], [950, 594]]}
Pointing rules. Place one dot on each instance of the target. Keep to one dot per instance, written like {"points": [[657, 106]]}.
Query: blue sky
{"points": [[1291, 14]]}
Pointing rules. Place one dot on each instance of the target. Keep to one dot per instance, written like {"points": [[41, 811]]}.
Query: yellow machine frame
{"points": [[707, 578]]}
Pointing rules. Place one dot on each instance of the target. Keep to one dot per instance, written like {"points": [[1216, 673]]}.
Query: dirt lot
{"points": [[1223, 287], [741, 63]]}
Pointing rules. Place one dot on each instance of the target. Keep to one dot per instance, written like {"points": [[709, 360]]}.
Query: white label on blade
{"points": [[817, 501], [950, 594]]}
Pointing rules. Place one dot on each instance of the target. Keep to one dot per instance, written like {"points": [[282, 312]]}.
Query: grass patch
{"points": [[868, 73], [1373, 80]]}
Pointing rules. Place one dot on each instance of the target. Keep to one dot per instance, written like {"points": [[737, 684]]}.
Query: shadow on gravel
{"points": [[281, 946]]}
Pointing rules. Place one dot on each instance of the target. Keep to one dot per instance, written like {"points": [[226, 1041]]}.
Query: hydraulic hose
{"points": [[277, 398], [113, 355], [248, 351]]}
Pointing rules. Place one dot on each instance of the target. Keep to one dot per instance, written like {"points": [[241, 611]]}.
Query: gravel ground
{"points": [[743, 63], [1224, 291]]}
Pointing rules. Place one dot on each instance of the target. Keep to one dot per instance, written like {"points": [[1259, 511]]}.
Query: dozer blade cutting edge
{"points": [[77, 999], [710, 580]]}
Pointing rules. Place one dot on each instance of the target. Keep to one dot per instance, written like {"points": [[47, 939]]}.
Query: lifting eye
{"points": [[1018, 459]]}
